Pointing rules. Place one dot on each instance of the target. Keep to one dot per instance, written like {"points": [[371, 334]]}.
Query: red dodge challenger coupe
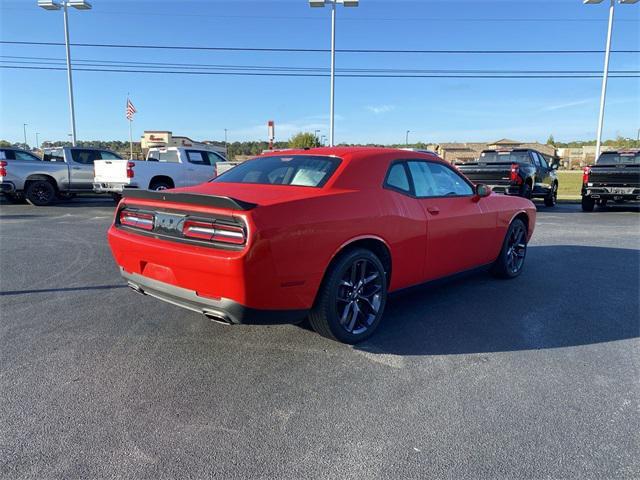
{"points": [[324, 233]]}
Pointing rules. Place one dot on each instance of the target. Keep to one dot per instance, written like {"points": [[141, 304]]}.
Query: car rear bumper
{"points": [[506, 189], [7, 187], [612, 193], [223, 310], [104, 187]]}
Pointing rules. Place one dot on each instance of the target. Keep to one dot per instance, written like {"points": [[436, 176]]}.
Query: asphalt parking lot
{"points": [[476, 378]]}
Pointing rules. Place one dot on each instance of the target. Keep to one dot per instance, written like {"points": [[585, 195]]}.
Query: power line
{"points": [[291, 74], [316, 50], [189, 66]]}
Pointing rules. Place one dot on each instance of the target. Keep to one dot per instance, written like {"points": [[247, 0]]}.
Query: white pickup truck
{"points": [[164, 168]]}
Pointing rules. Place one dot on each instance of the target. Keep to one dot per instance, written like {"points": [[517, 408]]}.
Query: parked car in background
{"points": [[164, 168], [60, 174], [325, 232], [522, 172], [614, 177]]}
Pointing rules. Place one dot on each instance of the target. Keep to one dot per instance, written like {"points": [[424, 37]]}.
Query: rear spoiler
{"points": [[189, 198]]}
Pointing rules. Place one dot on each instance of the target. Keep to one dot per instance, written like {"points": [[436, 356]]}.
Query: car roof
{"points": [[355, 153]]}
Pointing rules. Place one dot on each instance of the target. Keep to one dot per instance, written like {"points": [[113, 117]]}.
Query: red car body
{"points": [[293, 233]]}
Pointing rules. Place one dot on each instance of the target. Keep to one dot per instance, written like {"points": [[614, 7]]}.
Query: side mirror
{"points": [[482, 190], [554, 166]]}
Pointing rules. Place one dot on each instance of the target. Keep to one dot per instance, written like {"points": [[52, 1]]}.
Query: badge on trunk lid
{"points": [[168, 223]]}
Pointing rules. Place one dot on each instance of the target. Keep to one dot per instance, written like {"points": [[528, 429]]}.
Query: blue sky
{"points": [[367, 110]]}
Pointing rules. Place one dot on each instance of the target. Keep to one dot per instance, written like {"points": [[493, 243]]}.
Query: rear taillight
{"points": [[135, 219], [585, 175], [514, 175], [214, 232], [3, 168], [130, 166]]}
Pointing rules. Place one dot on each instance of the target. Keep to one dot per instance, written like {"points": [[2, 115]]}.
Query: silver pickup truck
{"points": [[61, 173]]}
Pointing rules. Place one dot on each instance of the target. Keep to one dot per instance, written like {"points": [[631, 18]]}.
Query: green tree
{"points": [[551, 140], [304, 140]]}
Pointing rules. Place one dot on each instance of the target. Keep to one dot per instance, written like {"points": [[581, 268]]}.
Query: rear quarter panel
{"points": [[300, 238]]}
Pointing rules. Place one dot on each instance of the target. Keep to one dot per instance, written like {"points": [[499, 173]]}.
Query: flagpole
{"points": [[130, 140]]}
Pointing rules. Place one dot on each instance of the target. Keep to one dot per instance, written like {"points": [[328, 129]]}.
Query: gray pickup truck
{"points": [[60, 174]]}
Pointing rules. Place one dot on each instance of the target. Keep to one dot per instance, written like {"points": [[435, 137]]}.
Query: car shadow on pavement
{"points": [[63, 289], [566, 296]]}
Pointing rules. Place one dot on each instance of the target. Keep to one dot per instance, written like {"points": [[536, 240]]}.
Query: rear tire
{"points": [[551, 199], [510, 262], [351, 299], [588, 204], [160, 185], [40, 193]]}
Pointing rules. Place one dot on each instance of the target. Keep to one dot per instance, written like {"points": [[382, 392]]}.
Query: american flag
{"points": [[130, 110]]}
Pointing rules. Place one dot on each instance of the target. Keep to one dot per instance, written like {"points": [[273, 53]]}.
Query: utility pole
{"points": [[24, 129]]}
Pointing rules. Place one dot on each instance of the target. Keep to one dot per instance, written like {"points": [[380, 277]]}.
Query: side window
{"points": [[105, 155], [397, 177], [85, 157], [543, 162], [447, 182], [197, 158], [422, 179], [7, 155], [536, 160], [214, 158], [25, 156]]}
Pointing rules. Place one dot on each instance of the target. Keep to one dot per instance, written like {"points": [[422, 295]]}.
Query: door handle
{"points": [[75, 168], [433, 210]]}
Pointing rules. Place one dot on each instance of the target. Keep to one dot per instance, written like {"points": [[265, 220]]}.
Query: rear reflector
{"points": [[136, 219], [130, 173], [214, 232], [585, 175]]}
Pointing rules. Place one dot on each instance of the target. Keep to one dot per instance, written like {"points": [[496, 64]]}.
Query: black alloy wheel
{"points": [[359, 297], [514, 251], [352, 297], [40, 193]]}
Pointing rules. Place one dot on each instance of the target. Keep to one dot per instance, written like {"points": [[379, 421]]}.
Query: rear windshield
{"points": [[56, 155], [297, 170], [510, 157], [615, 158]]}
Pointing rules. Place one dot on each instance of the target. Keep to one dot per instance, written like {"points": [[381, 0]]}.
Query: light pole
{"points": [[79, 5], [37, 143], [322, 3], [406, 138], [24, 130], [225, 138], [605, 73]]}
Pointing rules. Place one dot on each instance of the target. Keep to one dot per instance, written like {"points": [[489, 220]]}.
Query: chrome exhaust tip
{"points": [[218, 317]]}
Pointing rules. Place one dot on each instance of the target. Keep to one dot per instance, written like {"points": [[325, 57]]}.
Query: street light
{"points": [[37, 143], [605, 73], [333, 3], [78, 5], [406, 138], [24, 130]]}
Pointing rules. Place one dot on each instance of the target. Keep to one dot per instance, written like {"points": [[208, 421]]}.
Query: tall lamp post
{"points": [[333, 3], [79, 5], [37, 142], [24, 130], [406, 138], [605, 73]]}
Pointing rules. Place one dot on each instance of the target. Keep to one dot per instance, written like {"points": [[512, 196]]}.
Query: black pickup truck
{"points": [[615, 177], [522, 172]]}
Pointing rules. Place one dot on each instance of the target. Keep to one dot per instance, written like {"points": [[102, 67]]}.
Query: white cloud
{"points": [[378, 109], [560, 106]]}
